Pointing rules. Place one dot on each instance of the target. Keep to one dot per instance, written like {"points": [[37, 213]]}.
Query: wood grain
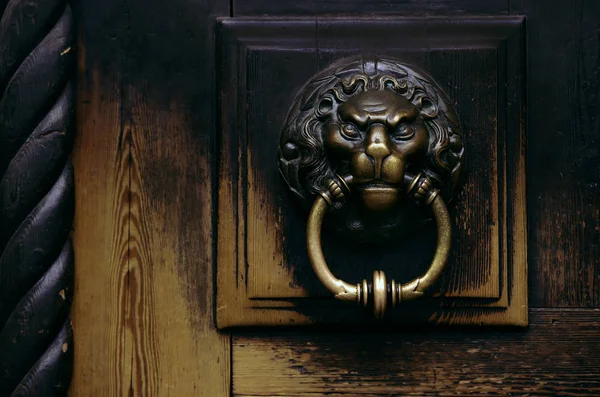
{"points": [[177, 349], [557, 355], [143, 306], [145, 310], [563, 156], [101, 228]]}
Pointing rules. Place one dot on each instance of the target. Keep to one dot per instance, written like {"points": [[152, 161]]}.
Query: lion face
{"points": [[377, 133], [377, 120]]}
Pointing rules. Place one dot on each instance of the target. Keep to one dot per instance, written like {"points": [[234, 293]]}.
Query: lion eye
{"points": [[350, 131], [404, 132]]}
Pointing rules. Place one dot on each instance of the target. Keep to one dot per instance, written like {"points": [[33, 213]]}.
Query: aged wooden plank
{"points": [[563, 156], [144, 204], [101, 228], [557, 355], [168, 115], [319, 395], [238, 181]]}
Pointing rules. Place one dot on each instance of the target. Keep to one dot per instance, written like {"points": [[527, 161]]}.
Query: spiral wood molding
{"points": [[37, 66]]}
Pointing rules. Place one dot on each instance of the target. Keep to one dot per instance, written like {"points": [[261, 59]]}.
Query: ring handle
{"points": [[380, 292]]}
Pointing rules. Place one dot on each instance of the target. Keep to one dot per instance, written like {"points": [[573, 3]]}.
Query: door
{"points": [[191, 272]]}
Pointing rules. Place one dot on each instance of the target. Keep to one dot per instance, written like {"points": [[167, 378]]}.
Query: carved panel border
{"points": [[240, 300]]}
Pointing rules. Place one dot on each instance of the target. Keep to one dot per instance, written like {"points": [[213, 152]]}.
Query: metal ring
{"points": [[357, 292]]}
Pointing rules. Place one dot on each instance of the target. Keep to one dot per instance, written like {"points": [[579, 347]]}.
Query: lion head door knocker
{"points": [[377, 143]]}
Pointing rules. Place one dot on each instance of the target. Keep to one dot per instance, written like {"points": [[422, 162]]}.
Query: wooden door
{"points": [[157, 101]]}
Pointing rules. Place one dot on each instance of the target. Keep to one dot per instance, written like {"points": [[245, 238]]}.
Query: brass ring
{"points": [[359, 292]]}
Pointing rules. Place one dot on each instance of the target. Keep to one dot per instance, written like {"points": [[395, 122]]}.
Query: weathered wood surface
{"points": [[143, 230], [101, 228], [558, 355], [37, 65], [143, 61], [262, 261], [563, 152], [563, 160]]}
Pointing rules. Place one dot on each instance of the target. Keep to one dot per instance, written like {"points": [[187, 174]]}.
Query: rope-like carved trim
{"points": [[37, 202]]}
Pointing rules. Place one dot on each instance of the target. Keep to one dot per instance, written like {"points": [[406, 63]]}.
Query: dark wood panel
{"points": [[563, 156], [262, 246], [563, 133], [320, 395], [144, 202], [558, 355], [356, 7], [169, 123]]}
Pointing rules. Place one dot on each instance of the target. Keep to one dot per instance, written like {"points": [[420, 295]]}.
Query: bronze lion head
{"points": [[376, 120]]}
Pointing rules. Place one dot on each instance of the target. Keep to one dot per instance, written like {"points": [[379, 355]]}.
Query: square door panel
{"points": [[264, 276]]}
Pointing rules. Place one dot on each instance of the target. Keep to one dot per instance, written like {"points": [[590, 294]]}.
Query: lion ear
{"points": [[427, 108]]}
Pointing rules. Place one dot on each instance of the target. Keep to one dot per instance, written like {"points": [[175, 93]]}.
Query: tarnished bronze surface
{"points": [[362, 136], [374, 120], [378, 293]]}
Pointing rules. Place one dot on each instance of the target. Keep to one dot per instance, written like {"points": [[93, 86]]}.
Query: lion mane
{"points": [[302, 158]]}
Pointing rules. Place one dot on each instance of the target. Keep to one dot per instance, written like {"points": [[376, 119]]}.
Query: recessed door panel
{"points": [[264, 273]]}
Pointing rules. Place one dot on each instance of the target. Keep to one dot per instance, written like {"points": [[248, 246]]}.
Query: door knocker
{"points": [[376, 144]]}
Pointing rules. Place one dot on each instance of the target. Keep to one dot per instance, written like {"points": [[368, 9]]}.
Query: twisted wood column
{"points": [[37, 66]]}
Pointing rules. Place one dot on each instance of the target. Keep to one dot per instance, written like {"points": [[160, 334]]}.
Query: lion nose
{"points": [[378, 146], [377, 142]]}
